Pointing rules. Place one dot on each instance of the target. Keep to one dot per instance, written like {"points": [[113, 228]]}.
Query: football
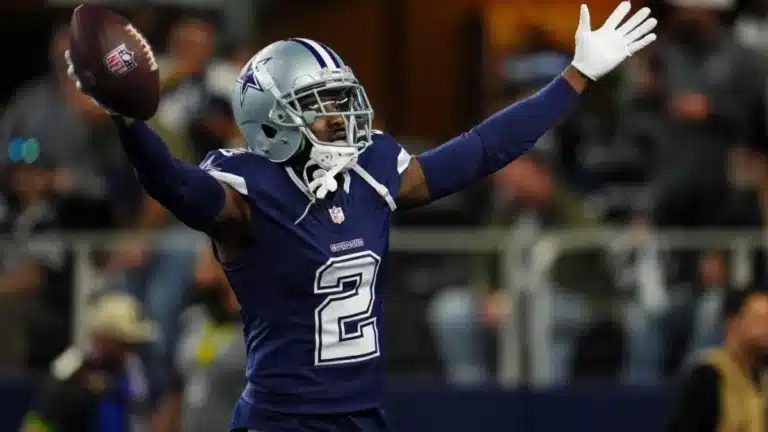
{"points": [[115, 64]]}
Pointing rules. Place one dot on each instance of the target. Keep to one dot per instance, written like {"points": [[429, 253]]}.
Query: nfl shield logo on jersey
{"points": [[337, 215], [120, 60]]}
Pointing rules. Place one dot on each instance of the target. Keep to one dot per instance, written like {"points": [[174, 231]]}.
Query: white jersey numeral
{"points": [[345, 327]]}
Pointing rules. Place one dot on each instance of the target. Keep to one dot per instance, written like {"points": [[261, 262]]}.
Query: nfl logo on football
{"points": [[337, 215], [120, 60]]}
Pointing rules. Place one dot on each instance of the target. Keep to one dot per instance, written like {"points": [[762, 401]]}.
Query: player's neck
{"points": [[300, 159], [298, 163]]}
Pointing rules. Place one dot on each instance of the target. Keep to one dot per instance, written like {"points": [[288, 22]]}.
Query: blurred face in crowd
{"points": [[695, 27], [110, 349], [526, 181], [191, 44], [747, 169], [712, 269], [751, 325], [31, 183]]}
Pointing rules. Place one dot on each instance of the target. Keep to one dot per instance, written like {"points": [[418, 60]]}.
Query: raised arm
{"points": [[500, 139], [195, 197], [489, 146], [191, 194]]}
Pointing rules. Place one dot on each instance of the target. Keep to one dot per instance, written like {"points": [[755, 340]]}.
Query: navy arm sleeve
{"points": [[497, 141], [696, 406], [195, 197]]}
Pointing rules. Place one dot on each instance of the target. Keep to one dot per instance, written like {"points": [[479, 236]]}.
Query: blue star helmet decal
{"points": [[248, 80]]}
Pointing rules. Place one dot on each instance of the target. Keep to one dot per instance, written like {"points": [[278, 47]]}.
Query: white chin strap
{"points": [[330, 162]]}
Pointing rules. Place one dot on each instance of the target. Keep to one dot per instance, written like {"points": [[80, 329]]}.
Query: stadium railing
{"points": [[646, 246], [88, 280], [525, 340]]}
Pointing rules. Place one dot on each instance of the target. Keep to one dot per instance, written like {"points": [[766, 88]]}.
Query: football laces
{"points": [[144, 46]]}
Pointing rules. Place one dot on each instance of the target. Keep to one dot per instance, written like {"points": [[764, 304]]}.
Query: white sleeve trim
{"points": [[237, 182], [403, 159]]}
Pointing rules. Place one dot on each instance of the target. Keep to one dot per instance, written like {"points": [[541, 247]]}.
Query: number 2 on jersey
{"points": [[345, 326]]}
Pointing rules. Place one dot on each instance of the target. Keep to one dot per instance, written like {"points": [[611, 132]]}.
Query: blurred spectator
{"points": [[216, 128], [414, 277], [747, 203], [751, 26], [689, 323], [714, 287], [72, 132], [158, 272], [697, 103], [709, 87], [601, 159], [528, 195], [184, 92], [537, 192], [101, 389], [35, 291], [724, 388], [211, 352]]}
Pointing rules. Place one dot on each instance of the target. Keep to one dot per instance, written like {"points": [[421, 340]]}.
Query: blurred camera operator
{"points": [[724, 390], [102, 388]]}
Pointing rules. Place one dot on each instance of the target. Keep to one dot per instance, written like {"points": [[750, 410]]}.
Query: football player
{"points": [[300, 219]]}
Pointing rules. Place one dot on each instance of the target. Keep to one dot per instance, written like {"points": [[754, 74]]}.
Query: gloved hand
{"points": [[79, 84], [600, 51]]}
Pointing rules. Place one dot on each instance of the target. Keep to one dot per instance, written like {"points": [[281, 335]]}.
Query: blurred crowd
{"points": [[66, 174], [674, 140]]}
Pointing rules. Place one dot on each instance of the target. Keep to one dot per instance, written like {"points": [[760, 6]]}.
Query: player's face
{"points": [[755, 323], [328, 125], [329, 128]]}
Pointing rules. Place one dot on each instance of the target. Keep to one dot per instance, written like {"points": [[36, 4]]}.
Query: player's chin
{"points": [[340, 138]]}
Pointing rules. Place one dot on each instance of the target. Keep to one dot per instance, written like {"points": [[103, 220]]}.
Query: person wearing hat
{"points": [[101, 388]]}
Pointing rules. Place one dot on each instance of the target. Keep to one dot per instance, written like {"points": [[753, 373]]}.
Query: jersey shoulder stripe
{"points": [[227, 166], [403, 158]]}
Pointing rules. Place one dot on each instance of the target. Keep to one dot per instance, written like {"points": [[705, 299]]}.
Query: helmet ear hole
{"points": [[268, 130]]}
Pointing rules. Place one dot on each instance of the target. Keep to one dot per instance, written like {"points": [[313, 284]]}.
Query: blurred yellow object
{"points": [[213, 339], [507, 21], [33, 423]]}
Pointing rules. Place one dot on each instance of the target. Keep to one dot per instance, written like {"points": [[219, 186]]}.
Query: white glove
{"points": [[76, 79], [599, 52]]}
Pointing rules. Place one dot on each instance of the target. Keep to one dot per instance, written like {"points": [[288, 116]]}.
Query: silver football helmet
{"points": [[283, 90]]}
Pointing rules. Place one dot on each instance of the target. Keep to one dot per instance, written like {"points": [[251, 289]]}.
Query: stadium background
{"points": [[563, 294]]}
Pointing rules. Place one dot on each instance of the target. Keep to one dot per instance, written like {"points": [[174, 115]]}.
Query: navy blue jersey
{"points": [[310, 292]]}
